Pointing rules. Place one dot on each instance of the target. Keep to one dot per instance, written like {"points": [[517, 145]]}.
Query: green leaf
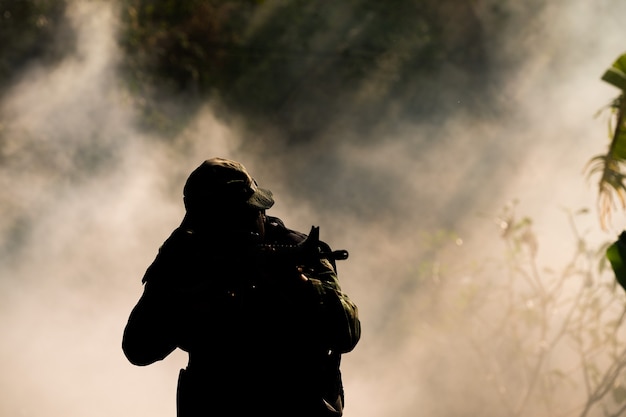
{"points": [[615, 254], [619, 148], [616, 74]]}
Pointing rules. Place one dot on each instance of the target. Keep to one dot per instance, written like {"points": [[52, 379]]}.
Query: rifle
{"points": [[303, 254]]}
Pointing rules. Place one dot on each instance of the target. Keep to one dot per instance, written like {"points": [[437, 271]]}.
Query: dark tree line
{"points": [[299, 65], [296, 67]]}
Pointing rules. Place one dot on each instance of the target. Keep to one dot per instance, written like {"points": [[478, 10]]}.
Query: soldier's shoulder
{"points": [[179, 240]]}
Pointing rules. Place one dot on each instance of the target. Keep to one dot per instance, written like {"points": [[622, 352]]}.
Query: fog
{"points": [[88, 197]]}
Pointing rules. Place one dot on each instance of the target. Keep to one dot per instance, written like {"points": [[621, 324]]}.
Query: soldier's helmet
{"points": [[220, 182]]}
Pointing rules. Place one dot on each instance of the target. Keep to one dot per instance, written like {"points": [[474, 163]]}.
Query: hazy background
{"points": [[89, 194]]}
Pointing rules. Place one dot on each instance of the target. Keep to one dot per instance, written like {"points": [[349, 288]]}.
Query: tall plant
{"points": [[610, 166]]}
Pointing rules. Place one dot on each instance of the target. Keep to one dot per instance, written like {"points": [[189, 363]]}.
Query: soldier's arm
{"points": [[153, 327], [149, 335], [338, 312]]}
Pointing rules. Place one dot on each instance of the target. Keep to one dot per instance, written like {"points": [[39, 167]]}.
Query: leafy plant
{"points": [[610, 165]]}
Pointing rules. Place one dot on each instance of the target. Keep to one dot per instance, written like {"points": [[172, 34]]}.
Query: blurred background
{"points": [[443, 143]]}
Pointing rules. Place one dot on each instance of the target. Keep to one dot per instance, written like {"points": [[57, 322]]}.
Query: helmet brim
{"points": [[262, 199]]}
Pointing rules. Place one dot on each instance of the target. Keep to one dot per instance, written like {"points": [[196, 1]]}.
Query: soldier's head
{"points": [[222, 190]]}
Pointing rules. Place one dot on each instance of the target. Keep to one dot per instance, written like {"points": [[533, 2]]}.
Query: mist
{"points": [[89, 196]]}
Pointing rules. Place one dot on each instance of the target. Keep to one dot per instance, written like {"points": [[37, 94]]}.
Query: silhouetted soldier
{"points": [[256, 305]]}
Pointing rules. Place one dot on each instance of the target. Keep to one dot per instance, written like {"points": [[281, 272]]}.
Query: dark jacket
{"points": [[261, 341]]}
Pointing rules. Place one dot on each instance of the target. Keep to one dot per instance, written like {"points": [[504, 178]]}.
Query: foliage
{"points": [[612, 188], [31, 30], [296, 65], [557, 336]]}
